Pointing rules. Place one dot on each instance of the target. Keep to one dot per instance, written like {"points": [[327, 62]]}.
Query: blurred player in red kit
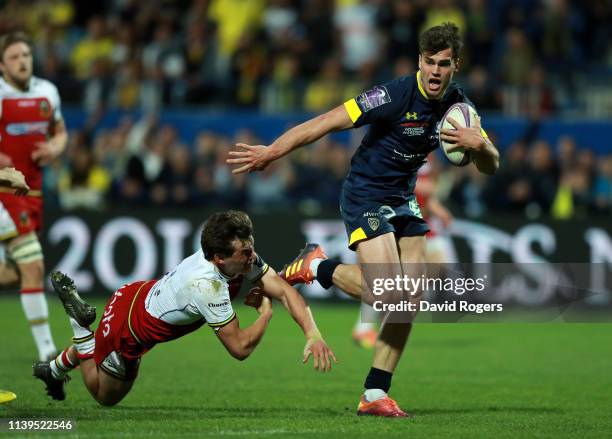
{"points": [[12, 179], [198, 291], [32, 134]]}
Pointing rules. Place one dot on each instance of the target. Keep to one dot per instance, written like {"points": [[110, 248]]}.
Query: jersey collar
{"points": [[418, 79], [222, 274]]}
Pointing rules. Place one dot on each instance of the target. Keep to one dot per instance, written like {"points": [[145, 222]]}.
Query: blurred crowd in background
{"points": [[534, 58], [143, 163], [520, 56]]}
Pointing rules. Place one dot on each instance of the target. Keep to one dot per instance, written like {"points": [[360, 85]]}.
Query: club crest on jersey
{"points": [[44, 108], [373, 223], [373, 98]]}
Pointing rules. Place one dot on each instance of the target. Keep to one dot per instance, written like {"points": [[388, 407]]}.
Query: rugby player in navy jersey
{"points": [[377, 203]]}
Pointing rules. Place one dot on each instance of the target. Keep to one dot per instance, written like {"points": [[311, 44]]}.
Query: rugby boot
{"points": [[365, 338], [74, 306], [385, 407], [299, 271], [55, 387]]}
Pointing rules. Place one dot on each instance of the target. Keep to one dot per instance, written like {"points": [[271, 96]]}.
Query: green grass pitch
{"points": [[460, 380]]}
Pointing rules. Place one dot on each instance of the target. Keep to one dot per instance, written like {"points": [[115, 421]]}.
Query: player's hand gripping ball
{"points": [[465, 116]]}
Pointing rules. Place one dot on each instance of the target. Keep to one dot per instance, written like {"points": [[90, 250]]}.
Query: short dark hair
{"points": [[221, 229], [11, 38], [441, 37]]}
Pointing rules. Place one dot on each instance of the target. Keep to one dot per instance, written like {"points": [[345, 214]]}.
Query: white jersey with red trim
{"points": [[196, 289], [25, 120]]}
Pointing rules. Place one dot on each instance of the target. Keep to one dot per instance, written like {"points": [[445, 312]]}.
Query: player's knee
{"points": [[107, 402], [109, 398]]}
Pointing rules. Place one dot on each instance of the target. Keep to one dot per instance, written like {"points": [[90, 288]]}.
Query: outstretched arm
{"points": [[257, 157], [273, 286]]}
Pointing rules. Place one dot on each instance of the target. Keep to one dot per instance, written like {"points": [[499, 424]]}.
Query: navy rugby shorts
{"points": [[366, 219]]}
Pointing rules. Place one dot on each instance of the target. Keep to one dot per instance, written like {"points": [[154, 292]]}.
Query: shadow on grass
{"points": [[491, 409], [178, 413], [435, 343], [231, 412], [174, 412]]}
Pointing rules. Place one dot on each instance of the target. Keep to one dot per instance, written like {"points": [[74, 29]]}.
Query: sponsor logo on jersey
{"points": [[412, 115], [384, 211], [373, 98], [410, 157], [25, 128], [26, 103], [219, 305], [413, 131], [414, 128]]}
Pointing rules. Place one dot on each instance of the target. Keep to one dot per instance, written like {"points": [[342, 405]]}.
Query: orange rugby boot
{"points": [[299, 270], [385, 407], [365, 338]]}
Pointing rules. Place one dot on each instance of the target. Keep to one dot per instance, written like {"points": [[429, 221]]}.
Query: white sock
{"points": [[363, 326], [78, 330], [374, 394], [314, 265], [61, 365], [84, 340], [367, 318], [85, 346], [35, 308]]}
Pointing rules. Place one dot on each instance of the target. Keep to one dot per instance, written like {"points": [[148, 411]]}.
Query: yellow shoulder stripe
{"points": [[353, 110]]}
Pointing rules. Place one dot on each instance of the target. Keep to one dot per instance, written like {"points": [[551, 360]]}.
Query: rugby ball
{"points": [[465, 115]]}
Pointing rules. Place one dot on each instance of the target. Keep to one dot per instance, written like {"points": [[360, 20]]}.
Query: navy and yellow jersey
{"points": [[404, 128]]}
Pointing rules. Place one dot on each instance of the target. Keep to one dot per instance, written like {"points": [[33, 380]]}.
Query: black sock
{"points": [[326, 271], [378, 379]]}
